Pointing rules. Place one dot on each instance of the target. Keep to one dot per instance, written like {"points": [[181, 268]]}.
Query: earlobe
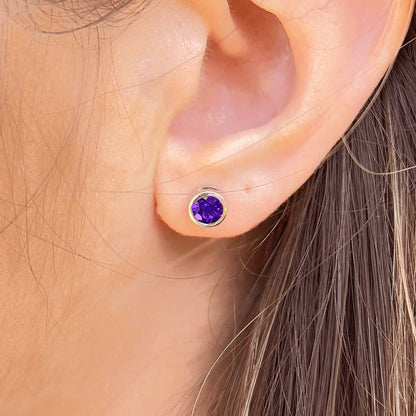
{"points": [[260, 124]]}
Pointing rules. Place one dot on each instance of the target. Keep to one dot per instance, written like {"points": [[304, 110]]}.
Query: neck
{"points": [[105, 312], [84, 337]]}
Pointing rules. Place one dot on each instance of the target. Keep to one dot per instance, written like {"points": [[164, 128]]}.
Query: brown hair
{"points": [[329, 325]]}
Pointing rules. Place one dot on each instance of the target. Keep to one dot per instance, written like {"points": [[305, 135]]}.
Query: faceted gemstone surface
{"points": [[207, 210]]}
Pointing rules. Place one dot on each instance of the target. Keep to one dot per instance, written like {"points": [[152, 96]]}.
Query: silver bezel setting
{"points": [[205, 192]]}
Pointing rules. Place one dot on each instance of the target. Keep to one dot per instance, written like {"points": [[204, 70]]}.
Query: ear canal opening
{"points": [[239, 93]]}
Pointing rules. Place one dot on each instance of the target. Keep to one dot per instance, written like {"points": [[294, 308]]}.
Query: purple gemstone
{"points": [[207, 210]]}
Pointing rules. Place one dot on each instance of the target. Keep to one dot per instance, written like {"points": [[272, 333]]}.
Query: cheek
{"points": [[142, 61], [41, 82], [98, 83], [89, 111]]}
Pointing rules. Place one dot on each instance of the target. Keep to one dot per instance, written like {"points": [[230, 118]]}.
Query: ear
{"points": [[262, 121]]}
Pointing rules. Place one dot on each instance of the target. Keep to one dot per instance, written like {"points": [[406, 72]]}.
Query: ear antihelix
{"points": [[223, 29]]}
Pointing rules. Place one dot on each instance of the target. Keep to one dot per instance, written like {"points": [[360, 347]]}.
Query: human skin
{"points": [[111, 302]]}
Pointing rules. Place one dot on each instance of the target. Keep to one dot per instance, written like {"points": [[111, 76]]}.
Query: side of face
{"points": [[106, 133], [183, 95]]}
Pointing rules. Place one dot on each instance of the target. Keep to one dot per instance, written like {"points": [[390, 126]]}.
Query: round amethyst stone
{"points": [[207, 210]]}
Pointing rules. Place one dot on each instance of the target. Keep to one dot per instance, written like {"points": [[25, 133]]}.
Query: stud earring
{"points": [[207, 207]]}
